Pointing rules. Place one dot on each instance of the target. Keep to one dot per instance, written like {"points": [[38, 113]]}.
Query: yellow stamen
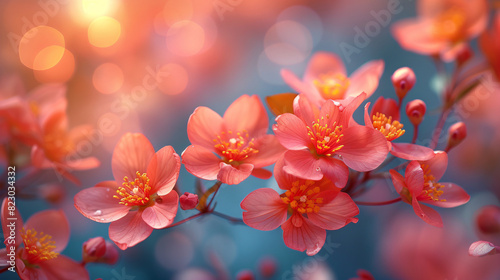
{"points": [[325, 139], [134, 193], [432, 189], [300, 197], [332, 86], [40, 247], [450, 24], [235, 147], [391, 129]]}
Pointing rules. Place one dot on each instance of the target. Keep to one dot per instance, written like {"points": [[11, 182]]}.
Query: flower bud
{"points": [[111, 256], [456, 134], [488, 219], [403, 81], [52, 193], [267, 267], [245, 275], [415, 110], [94, 249], [188, 201], [464, 54]]}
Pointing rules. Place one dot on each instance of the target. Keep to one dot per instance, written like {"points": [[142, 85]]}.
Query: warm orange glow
{"points": [[176, 10], [104, 32], [41, 48], [175, 81], [60, 73], [108, 78], [95, 8], [185, 38]]}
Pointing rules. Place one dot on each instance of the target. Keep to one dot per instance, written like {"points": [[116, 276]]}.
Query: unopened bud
{"points": [[456, 134], [464, 54], [94, 249], [403, 81], [488, 219], [267, 267], [245, 275], [188, 201], [111, 256], [415, 110]]}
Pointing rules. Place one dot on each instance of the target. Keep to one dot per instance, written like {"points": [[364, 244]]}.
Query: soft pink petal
{"points": [[163, 212], [83, 163], [203, 127], [453, 195], [29, 272], [63, 267], [364, 148], [416, 35], [366, 78], [349, 105], [367, 118], [291, 132], [414, 178], [201, 162], [270, 149], [335, 170], [329, 115], [53, 223], [247, 113], [132, 153], [163, 170], [411, 151], [48, 97], [482, 248], [262, 173], [264, 209], [438, 164], [294, 82], [305, 109], [336, 214], [39, 159], [283, 178], [306, 237], [387, 106], [302, 164], [323, 63], [398, 181], [232, 175], [98, 203], [129, 230], [427, 214], [5, 215]]}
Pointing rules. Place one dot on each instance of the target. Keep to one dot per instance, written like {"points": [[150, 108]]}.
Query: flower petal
{"points": [[427, 214], [5, 214], [291, 132], [132, 153], [453, 195], [203, 127], [270, 149], [129, 230], [53, 223], [411, 151], [231, 175], [262, 173], [336, 214], [366, 78], [305, 109], [63, 267], [163, 212], [284, 179], [416, 35], [247, 113], [163, 170], [414, 178], [264, 209], [39, 159], [83, 163], [98, 203], [397, 180], [482, 248], [307, 236], [438, 164], [364, 148], [387, 106], [302, 164], [201, 162], [335, 170], [281, 103], [323, 63]]}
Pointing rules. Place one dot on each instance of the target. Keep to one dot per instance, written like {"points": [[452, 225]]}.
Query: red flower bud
{"points": [[93, 249], [245, 275], [456, 134], [111, 256], [267, 267], [464, 54], [52, 193], [403, 81], [415, 110], [188, 201], [488, 219]]}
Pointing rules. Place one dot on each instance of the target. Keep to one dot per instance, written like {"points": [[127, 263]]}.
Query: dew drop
{"points": [[318, 169], [98, 212]]}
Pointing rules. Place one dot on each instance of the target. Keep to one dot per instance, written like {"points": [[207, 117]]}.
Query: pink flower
{"points": [[489, 42], [58, 147], [232, 147], [141, 197], [385, 117], [38, 244], [314, 207], [441, 25], [317, 140], [421, 185], [99, 250], [326, 78]]}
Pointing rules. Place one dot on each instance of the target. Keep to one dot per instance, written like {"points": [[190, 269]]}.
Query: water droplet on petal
{"points": [[318, 169], [98, 213]]}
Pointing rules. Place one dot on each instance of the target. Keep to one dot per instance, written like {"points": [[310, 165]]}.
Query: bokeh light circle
{"points": [[107, 78], [172, 79], [175, 11], [174, 251], [287, 43], [185, 38], [61, 72], [41, 48], [104, 32]]}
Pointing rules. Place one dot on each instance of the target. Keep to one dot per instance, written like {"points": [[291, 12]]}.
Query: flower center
{"points": [[332, 86], [450, 24], [325, 139], [40, 247], [391, 129], [136, 192], [432, 189], [235, 147], [301, 197]]}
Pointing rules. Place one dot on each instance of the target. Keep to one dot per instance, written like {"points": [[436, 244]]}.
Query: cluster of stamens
{"points": [[235, 147], [325, 139], [432, 189], [391, 129], [299, 197], [450, 24], [136, 192], [40, 247], [332, 86]]}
